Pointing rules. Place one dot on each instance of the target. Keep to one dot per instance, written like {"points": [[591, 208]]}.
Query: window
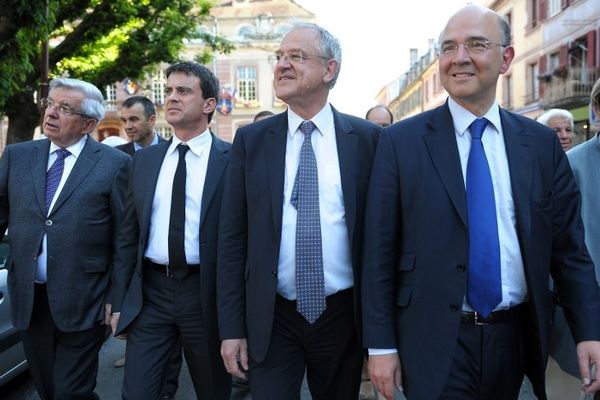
{"points": [[534, 85], [246, 84], [165, 131], [533, 13], [158, 87], [553, 62], [553, 7], [111, 92]]}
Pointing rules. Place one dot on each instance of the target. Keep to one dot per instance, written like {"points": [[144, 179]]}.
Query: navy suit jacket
{"points": [[81, 230], [416, 250], [129, 148], [250, 232]]}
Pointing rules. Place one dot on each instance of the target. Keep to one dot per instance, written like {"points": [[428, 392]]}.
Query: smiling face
{"points": [[62, 129], [471, 78], [303, 85]]}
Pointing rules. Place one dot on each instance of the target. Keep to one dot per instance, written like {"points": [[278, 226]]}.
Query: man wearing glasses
{"points": [[471, 208], [61, 199], [291, 233]]}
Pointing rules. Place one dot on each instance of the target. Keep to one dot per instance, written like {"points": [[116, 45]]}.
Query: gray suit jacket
{"points": [[585, 162], [80, 230]]}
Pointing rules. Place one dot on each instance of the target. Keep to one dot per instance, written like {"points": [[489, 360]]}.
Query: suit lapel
{"points": [[443, 150], [217, 162], [88, 157], [347, 140], [151, 170], [518, 144], [38, 171], [275, 142]]}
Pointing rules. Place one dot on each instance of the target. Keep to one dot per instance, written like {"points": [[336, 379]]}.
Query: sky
{"points": [[376, 36]]}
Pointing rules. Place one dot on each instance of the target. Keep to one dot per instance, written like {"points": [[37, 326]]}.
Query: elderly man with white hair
{"points": [[562, 122]]}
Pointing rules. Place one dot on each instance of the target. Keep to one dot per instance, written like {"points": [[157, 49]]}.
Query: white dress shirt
{"points": [[514, 287], [337, 262], [75, 150], [196, 160]]}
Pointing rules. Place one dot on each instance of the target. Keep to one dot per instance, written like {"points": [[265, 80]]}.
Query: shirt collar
{"points": [[137, 147], [74, 149], [462, 118], [320, 120], [197, 145]]}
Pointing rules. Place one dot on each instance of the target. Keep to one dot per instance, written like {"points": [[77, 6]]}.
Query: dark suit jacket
{"points": [[81, 230], [133, 238], [250, 231], [416, 248], [129, 148]]}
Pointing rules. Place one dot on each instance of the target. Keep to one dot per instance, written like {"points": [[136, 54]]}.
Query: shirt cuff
{"points": [[381, 352]]}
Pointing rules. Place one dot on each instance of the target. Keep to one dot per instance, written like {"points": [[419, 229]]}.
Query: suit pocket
{"points": [[403, 296], [406, 262], [94, 265]]}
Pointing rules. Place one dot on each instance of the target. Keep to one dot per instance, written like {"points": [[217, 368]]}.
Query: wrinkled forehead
{"points": [[305, 39], [66, 95], [472, 23]]}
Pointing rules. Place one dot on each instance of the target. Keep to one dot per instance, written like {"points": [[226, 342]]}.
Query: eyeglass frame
{"points": [[64, 109], [469, 46], [290, 55]]}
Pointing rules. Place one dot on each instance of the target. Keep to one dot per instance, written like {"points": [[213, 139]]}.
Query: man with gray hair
{"points": [[61, 199], [562, 122], [562, 374], [296, 185]]}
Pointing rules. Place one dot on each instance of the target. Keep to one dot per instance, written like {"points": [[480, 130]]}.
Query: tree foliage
{"points": [[101, 41]]}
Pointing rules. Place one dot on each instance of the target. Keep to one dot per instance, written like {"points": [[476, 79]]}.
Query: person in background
{"points": [[471, 209], [165, 288], [380, 115], [562, 123], [113, 141], [290, 240], [262, 115], [62, 199], [138, 116], [562, 374]]}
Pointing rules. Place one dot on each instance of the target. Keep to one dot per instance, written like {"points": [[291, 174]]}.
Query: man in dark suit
{"points": [[296, 186], [166, 283], [138, 115], [62, 200], [470, 210]]}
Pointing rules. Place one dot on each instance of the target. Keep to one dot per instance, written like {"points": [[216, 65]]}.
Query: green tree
{"points": [[101, 41]]}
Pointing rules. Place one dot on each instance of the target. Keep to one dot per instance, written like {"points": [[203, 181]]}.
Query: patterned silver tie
{"points": [[310, 283]]}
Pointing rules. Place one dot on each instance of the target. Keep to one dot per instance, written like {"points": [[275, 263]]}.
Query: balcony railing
{"points": [[569, 89]]}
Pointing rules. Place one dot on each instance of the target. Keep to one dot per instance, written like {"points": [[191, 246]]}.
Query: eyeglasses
{"points": [[294, 57], [64, 109], [447, 49]]}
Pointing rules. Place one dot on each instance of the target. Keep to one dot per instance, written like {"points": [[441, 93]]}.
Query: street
{"points": [[110, 379]]}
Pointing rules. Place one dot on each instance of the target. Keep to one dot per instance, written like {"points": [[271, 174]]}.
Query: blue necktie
{"points": [[484, 291], [54, 175], [310, 283]]}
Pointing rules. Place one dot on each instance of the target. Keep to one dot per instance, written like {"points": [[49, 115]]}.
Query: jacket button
{"points": [[48, 222], [274, 274], [461, 267], [454, 307]]}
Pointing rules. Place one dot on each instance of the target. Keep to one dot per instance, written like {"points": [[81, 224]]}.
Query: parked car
{"points": [[12, 355]]}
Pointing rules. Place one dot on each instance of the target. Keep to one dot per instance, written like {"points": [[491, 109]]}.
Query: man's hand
{"points": [[114, 321], [107, 313], [235, 357], [588, 355], [386, 374]]}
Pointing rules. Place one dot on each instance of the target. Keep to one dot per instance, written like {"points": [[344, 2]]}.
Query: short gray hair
{"points": [[329, 45], [92, 105], [555, 113]]}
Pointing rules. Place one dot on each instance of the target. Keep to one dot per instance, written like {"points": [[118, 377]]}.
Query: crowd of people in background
{"points": [[457, 249]]}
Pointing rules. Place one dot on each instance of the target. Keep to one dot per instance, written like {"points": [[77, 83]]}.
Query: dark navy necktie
{"points": [[177, 260], [54, 175], [484, 290], [310, 283]]}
